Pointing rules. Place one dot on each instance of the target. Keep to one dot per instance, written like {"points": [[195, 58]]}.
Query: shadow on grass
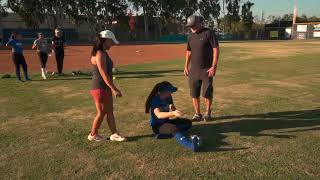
{"points": [[254, 125], [135, 138], [64, 79], [147, 74], [118, 75]]}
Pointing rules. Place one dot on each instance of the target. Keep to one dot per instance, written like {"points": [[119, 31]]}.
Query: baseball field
{"points": [[266, 109]]}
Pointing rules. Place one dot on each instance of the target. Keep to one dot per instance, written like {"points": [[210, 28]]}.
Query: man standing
{"points": [[203, 54], [58, 44]]}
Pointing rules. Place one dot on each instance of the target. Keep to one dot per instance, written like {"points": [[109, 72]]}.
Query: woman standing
{"points": [[58, 44], [102, 87], [17, 55], [42, 49]]}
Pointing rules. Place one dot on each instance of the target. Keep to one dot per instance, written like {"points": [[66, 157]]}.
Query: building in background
{"points": [[293, 29], [306, 30], [279, 30]]}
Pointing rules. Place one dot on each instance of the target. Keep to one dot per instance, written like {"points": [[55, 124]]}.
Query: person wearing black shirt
{"points": [[203, 55], [58, 44]]}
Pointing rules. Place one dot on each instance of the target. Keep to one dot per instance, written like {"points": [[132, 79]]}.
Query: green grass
{"points": [[267, 123]]}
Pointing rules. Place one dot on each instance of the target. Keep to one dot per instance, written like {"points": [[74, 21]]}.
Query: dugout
{"points": [[280, 30], [29, 35]]}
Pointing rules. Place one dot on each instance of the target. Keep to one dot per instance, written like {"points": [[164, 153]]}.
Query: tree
{"points": [[273, 19], [189, 8], [287, 17], [110, 10], [85, 11], [3, 12], [210, 10], [233, 17], [54, 11], [313, 18], [28, 10], [168, 11], [247, 17], [233, 7], [149, 9], [302, 18], [98, 14]]}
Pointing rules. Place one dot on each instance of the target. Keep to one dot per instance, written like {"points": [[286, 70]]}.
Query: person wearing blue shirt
{"points": [[161, 108], [17, 55]]}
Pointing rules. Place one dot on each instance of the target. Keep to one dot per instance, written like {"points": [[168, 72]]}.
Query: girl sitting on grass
{"points": [[161, 108]]}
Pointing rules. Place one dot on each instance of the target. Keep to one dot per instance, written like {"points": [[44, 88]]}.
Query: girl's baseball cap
{"points": [[168, 88], [109, 35]]}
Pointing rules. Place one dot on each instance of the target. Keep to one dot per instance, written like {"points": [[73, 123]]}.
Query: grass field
{"points": [[267, 109]]}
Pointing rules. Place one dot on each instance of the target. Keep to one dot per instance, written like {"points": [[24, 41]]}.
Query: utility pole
{"points": [[224, 15], [262, 25]]}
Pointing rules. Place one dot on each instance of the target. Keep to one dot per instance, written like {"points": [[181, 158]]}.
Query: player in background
{"points": [[15, 42], [58, 45], [42, 51]]}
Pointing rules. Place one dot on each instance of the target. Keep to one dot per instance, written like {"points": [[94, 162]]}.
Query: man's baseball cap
{"points": [[193, 20], [168, 88], [109, 35]]}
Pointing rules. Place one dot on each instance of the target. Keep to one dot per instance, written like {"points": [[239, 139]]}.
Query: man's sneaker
{"points": [[117, 137], [195, 143], [197, 117], [207, 117], [96, 138]]}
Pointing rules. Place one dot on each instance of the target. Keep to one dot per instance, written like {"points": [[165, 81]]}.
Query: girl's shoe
{"points": [[196, 143], [117, 137], [96, 138]]}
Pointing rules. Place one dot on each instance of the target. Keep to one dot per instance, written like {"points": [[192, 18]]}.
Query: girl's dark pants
{"points": [[19, 60], [43, 57], [182, 125], [59, 59]]}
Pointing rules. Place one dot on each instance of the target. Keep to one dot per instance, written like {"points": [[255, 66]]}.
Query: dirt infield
{"points": [[78, 57]]}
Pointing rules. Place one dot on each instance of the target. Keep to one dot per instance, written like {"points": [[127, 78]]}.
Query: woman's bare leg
{"points": [[110, 117], [100, 107]]}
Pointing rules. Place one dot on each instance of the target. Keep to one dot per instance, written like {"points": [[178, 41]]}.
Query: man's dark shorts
{"points": [[198, 78]]}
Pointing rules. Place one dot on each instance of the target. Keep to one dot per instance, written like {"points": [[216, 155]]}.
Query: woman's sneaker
{"points": [[96, 138], [196, 117], [117, 137]]}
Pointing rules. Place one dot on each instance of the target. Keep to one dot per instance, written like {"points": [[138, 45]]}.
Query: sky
{"points": [[281, 7]]}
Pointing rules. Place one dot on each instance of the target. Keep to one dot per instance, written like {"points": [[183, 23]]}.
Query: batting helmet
{"points": [[193, 20]]}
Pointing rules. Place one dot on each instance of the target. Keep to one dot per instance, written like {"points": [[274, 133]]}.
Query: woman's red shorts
{"points": [[101, 95]]}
